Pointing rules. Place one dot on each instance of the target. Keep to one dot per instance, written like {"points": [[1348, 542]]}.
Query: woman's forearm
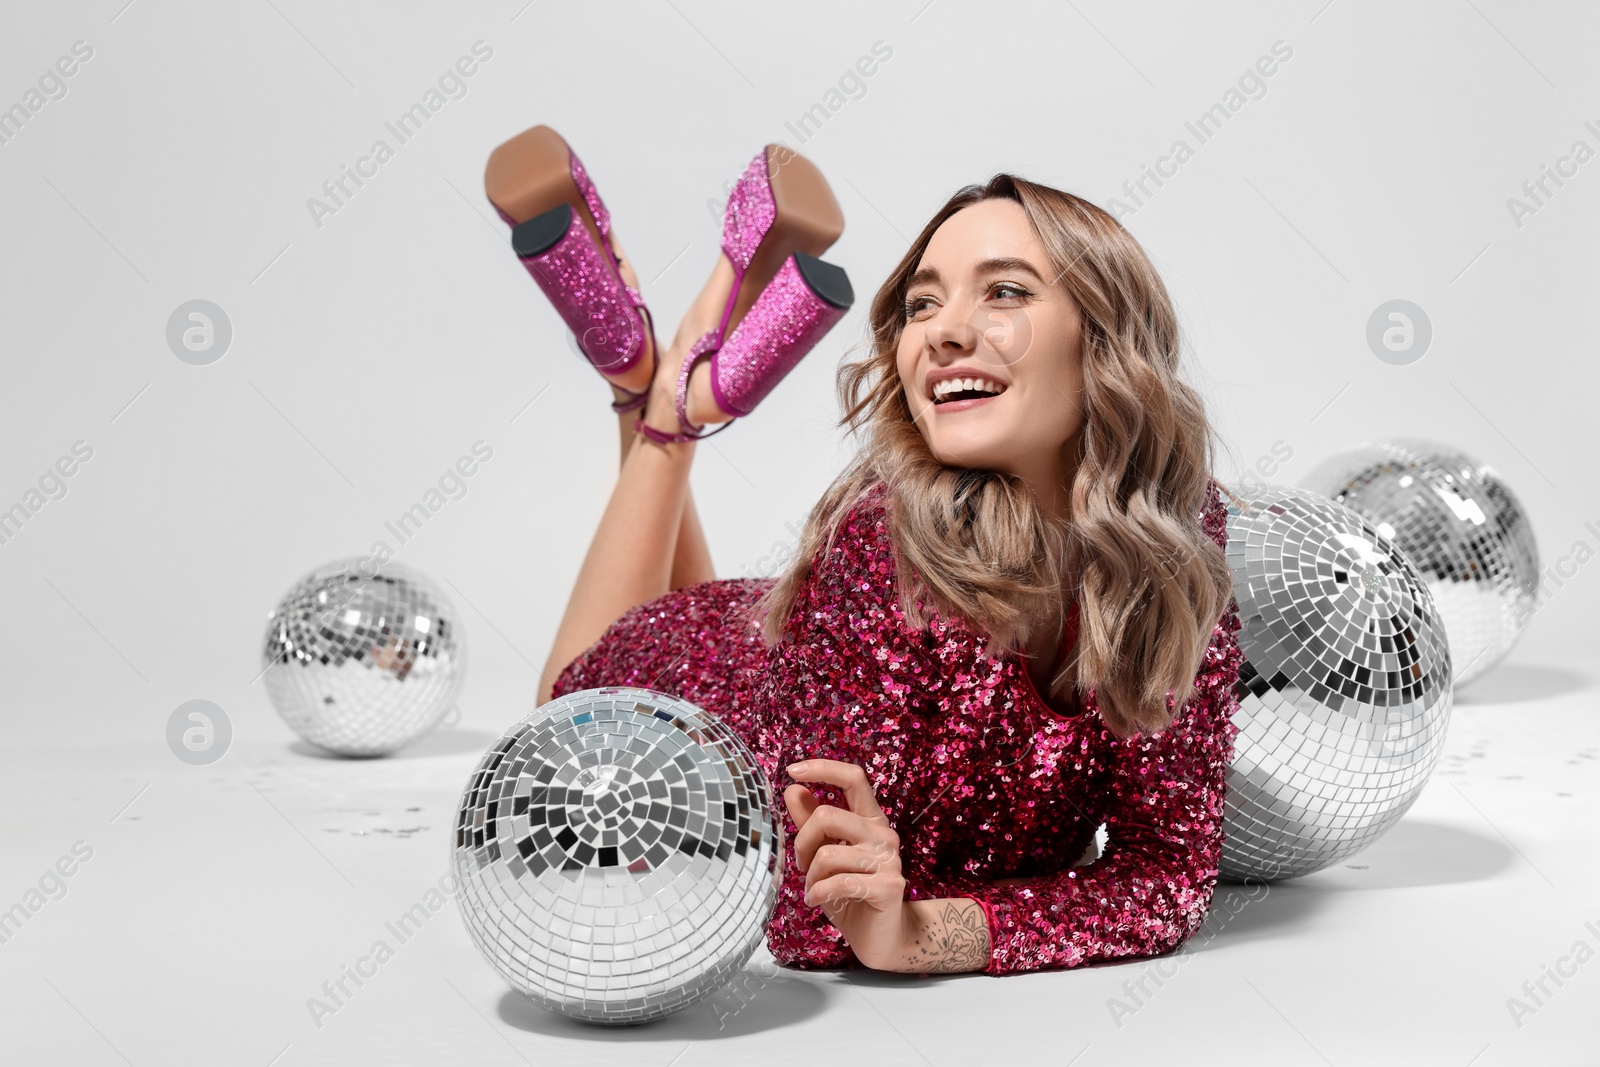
{"points": [[944, 935]]}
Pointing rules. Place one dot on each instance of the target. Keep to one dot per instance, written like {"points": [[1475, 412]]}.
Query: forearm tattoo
{"points": [[955, 938]]}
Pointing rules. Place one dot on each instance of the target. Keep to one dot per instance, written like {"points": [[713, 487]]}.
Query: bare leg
{"points": [[691, 563], [632, 558]]}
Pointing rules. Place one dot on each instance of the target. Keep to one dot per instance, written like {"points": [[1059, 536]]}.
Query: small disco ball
{"points": [[1461, 527], [617, 855], [363, 664], [1344, 688]]}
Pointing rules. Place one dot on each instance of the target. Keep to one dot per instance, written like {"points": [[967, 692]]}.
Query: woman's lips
{"points": [[952, 406]]}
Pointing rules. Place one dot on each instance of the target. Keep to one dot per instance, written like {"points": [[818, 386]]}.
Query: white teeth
{"points": [[953, 385]]}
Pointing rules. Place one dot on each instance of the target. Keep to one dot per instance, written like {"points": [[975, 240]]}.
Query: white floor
{"points": [[218, 900]]}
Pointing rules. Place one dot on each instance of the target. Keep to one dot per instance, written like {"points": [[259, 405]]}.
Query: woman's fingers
{"points": [[828, 824], [831, 893], [801, 802], [835, 859], [850, 777], [839, 889]]}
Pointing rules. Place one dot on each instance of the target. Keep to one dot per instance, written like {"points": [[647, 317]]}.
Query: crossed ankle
{"points": [[700, 406]]}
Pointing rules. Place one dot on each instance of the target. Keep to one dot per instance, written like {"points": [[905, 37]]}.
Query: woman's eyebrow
{"points": [[993, 265], [1008, 265]]}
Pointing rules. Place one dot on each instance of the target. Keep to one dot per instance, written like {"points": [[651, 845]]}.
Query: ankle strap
{"points": [[704, 348], [660, 437], [633, 402]]}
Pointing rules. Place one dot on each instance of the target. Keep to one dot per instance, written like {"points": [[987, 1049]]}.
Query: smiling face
{"points": [[991, 354]]}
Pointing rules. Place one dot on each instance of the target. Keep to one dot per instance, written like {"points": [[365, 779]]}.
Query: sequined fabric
{"points": [[691, 643], [980, 778], [749, 215], [786, 321]]}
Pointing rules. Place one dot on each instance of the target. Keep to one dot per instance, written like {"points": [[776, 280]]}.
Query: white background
{"points": [[372, 351]]}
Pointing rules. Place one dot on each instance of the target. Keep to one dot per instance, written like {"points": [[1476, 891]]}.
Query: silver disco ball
{"points": [[363, 664], [617, 855], [1461, 527], [1344, 689]]}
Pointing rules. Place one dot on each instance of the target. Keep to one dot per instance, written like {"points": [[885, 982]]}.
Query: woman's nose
{"points": [[951, 329]]}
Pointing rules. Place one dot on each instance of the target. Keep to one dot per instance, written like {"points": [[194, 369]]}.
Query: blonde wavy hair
{"points": [[1151, 584]]}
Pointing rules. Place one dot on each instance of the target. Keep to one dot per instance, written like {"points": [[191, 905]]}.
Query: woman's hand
{"points": [[851, 860]]}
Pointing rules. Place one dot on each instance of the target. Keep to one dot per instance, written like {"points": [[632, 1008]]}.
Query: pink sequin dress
{"points": [[981, 779]]}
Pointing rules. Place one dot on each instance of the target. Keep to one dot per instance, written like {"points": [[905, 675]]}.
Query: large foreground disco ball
{"points": [[1344, 688], [1461, 527], [617, 855], [363, 664]]}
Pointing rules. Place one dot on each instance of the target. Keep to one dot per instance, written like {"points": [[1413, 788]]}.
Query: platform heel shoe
{"points": [[780, 205], [561, 231], [797, 308]]}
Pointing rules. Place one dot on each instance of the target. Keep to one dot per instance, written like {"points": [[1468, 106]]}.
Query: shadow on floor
{"points": [[758, 1001], [1520, 683], [1251, 913], [1415, 854], [438, 743]]}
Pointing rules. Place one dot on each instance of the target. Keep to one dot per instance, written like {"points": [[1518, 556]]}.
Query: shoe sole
{"points": [[809, 220], [828, 281], [531, 174], [541, 233]]}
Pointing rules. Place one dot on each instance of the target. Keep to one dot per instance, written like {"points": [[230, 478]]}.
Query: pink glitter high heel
{"points": [[781, 204], [780, 216], [797, 308], [538, 186]]}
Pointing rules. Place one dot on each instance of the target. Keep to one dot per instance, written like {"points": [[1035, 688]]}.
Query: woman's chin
{"points": [[975, 451]]}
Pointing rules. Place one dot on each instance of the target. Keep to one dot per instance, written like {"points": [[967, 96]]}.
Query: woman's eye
{"points": [[915, 306], [1008, 291]]}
